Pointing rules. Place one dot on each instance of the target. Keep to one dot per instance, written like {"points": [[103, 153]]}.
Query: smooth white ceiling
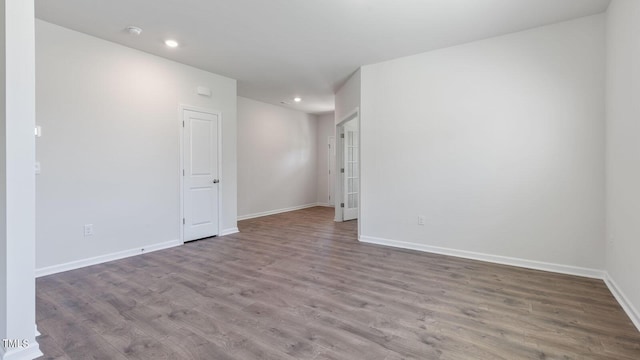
{"points": [[278, 49]]}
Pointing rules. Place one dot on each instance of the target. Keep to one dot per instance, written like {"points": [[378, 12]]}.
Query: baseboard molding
{"points": [[30, 352], [504, 260], [277, 211], [627, 306], [229, 231], [324, 204], [617, 292], [49, 270]]}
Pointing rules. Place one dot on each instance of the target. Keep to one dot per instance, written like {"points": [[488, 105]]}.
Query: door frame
{"points": [[331, 141], [181, 110], [338, 183]]}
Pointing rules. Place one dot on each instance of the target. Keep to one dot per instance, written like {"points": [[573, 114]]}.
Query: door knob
{"points": [[215, 181]]}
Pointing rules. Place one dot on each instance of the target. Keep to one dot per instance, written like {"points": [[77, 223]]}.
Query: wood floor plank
{"points": [[300, 286]]}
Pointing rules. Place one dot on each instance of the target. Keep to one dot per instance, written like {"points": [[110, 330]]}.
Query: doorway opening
{"points": [[347, 179]]}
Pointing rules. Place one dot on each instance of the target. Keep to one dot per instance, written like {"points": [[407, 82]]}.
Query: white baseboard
{"points": [[104, 258], [277, 211], [30, 352], [628, 307], [324, 204], [622, 299], [229, 231], [504, 260]]}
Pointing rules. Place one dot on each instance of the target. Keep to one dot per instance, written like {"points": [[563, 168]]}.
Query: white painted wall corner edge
{"points": [[626, 305], [277, 211], [30, 352], [104, 258], [622, 299]]}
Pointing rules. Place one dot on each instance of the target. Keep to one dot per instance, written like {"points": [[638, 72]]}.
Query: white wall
{"points": [[326, 128], [498, 143], [623, 147], [277, 159], [347, 98], [17, 178], [110, 145]]}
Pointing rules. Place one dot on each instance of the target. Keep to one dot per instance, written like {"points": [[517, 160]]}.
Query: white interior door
{"points": [[332, 168], [201, 182], [351, 172]]}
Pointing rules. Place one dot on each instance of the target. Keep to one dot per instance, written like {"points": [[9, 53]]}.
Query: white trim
{"points": [[30, 352], [105, 258], [229, 231], [277, 211], [331, 171], [181, 110], [627, 306], [337, 184], [180, 173], [37, 332], [504, 260], [324, 204], [624, 302]]}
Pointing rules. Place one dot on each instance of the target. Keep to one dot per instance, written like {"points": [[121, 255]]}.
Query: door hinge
{"points": [[183, 124], [183, 221], [342, 136], [341, 205], [182, 172], [342, 170]]}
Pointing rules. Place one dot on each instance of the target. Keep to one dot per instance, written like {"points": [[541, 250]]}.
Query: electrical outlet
{"points": [[421, 219], [88, 229]]}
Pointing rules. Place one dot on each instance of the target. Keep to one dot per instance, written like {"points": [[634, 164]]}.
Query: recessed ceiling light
{"points": [[297, 99], [171, 43], [134, 30]]}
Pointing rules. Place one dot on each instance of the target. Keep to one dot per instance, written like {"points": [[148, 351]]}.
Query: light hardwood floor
{"points": [[299, 286]]}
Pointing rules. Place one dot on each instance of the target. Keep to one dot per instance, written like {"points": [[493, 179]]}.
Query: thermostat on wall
{"points": [[204, 91]]}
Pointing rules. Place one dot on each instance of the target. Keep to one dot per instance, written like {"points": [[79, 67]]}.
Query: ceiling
{"points": [[279, 49]]}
